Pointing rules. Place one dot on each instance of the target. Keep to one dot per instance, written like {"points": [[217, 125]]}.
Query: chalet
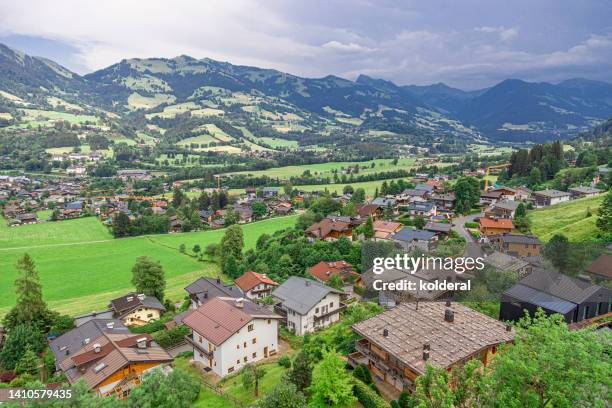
{"points": [[516, 244], [385, 202], [283, 208], [245, 213], [495, 226], [411, 195], [523, 193], [581, 191], [324, 271], [206, 216], [502, 209], [507, 193], [308, 305], [229, 333], [369, 210], [489, 197], [397, 344], [251, 192], [107, 357], [439, 228], [575, 299], [425, 187], [384, 229], [176, 225], [444, 201], [218, 223], [508, 263], [329, 229], [411, 238], [136, 309], [545, 198], [76, 171], [204, 289], [425, 209], [26, 218], [255, 285], [271, 191], [601, 268]]}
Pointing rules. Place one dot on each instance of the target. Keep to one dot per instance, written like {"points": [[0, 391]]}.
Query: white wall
{"points": [[303, 324]]}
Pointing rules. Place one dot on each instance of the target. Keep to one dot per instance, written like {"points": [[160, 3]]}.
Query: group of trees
{"points": [[538, 164]]}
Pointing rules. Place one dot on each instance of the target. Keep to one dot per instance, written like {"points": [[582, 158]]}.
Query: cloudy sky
{"points": [[466, 43]]}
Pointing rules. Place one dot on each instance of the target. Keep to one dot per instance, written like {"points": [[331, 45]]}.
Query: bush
{"points": [[475, 234], [7, 376], [470, 224], [284, 361], [172, 337], [367, 396], [151, 327]]}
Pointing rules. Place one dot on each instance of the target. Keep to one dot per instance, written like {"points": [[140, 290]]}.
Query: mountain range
{"points": [[513, 110]]}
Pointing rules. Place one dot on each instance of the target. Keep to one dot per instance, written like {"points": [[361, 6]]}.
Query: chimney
{"points": [[141, 296], [448, 303], [508, 328], [129, 298], [141, 342], [96, 348], [239, 303], [449, 315], [385, 332], [426, 351], [110, 325], [307, 282], [218, 280], [86, 341]]}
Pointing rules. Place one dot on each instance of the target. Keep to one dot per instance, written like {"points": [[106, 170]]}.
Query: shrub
{"points": [[470, 224], [7, 376], [284, 361], [172, 337], [151, 327], [367, 396]]}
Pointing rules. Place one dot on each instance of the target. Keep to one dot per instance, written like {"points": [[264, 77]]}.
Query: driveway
{"points": [[472, 248]]}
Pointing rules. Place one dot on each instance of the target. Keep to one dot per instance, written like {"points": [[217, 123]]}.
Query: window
{"points": [[149, 314], [238, 361], [246, 359], [254, 355], [230, 370], [201, 355], [254, 340], [251, 327], [585, 313], [200, 339], [269, 321], [237, 346], [331, 304], [317, 310], [244, 345]]}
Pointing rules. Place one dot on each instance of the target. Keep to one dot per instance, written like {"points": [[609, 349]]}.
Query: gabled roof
{"points": [[386, 226], [414, 192], [407, 234], [208, 288], [585, 190], [324, 227], [383, 202], [301, 295], [125, 304], [505, 262], [251, 279], [602, 267], [426, 187], [503, 223], [559, 285], [510, 205], [538, 298], [365, 210], [421, 206], [550, 193], [511, 238], [438, 226], [324, 271]]}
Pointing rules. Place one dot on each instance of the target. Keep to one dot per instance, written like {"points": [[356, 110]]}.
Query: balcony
{"points": [[198, 346], [341, 308], [363, 346], [356, 358]]}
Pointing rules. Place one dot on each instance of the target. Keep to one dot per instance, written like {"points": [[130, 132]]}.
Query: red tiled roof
{"points": [[496, 223], [325, 270], [251, 279], [217, 320], [365, 210], [324, 227]]}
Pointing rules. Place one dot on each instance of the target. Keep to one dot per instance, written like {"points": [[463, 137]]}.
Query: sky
{"points": [[468, 44]]}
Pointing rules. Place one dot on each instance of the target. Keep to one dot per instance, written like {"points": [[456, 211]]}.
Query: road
{"points": [[472, 248]]}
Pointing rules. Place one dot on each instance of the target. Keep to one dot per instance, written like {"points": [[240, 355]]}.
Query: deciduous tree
{"points": [[148, 277]]}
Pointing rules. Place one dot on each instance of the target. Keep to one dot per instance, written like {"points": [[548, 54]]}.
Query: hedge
{"points": [[471, 224], [172, 337], [367, 397]]}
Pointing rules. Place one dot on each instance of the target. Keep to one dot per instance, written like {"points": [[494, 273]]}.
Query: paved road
{"points": [[472, 248]]}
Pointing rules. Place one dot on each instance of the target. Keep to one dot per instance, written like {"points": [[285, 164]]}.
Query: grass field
{"points": [[368, 186], [276, 143], [233, 385], [568, 219], [82, 271]]}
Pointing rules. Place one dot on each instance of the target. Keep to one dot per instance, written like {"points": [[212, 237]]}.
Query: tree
{"points": [[420, 222], [283, 395], [177, 197], [196, 249], [335, 282], [231, 216], [358, 196], [121, 225], [331, 384], [28, 363], [326, 206], [232, 242], [557, 250], [604, 214], [251, 374], [148, 277], [521, 211], [177, 389], [368, 229], [301, 373], [20, 339], [30, 307], [467, 193], [230, 267], [259, 209]]}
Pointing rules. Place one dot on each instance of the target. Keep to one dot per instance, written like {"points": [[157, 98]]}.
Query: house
{"points": [[495, 226], [412, 194], [255, 285], [369, 210], [206, 216], [384, 202], [545, 198], [439, 228], [271, 191], [397, 344], [425, 209], [251, 192], [330, 229], [384, 229], [84, 318], [523, 193], [76, 170], [134, 174], [502, 209], [425, 187], [575, 299], [107, 356], [507, 193], [601, 268], [26, 218], [308, 305], [581, 191], [411, 238], [444, 201], [229, 333], [517, 244], [245, 213], [283, 208], [136, 309], [204, 289], [489, 197], [324, 271], [504, 262]]}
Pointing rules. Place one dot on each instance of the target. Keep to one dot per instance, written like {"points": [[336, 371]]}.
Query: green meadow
{"points": [[81, 270]]}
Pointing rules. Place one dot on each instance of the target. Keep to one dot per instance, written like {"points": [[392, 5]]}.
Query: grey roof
{"points": [[301, 295], [212, 288], [271, 189], [585, 190], [74, 205], [206, 213], [421, 206], [383, 202], [412, 234], [438, 226], [538, 298], [425, 187], [559, 285], [414, 192], [519, 239], [551, 193], [73, 341], [505, 262], [506, 205], [126, 304]]}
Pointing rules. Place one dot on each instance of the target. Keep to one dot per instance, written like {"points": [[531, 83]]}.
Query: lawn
{"points": [[207, 398], [368, 186], [80, 276], [568, 219], [276, 142], [233, 385]]}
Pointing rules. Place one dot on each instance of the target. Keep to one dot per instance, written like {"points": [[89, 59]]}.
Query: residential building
{"points": [[255, 285], [584, 191], [444, 201], [495, 226], [385, 202], [384, 229], [439, 228], [425, 209], [517, 244], [507, 193], [369, 210], [575, 299], [229, 333], [489, 197], [26, 218], [545, 198], [502, 209], [505, 262], [601, 268], [324, 271], [204, 289], [411, 238], [107, 356], [136, 309], [271, 191], [425, 187], [397, 344], [330, 229], [308, 305]]}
